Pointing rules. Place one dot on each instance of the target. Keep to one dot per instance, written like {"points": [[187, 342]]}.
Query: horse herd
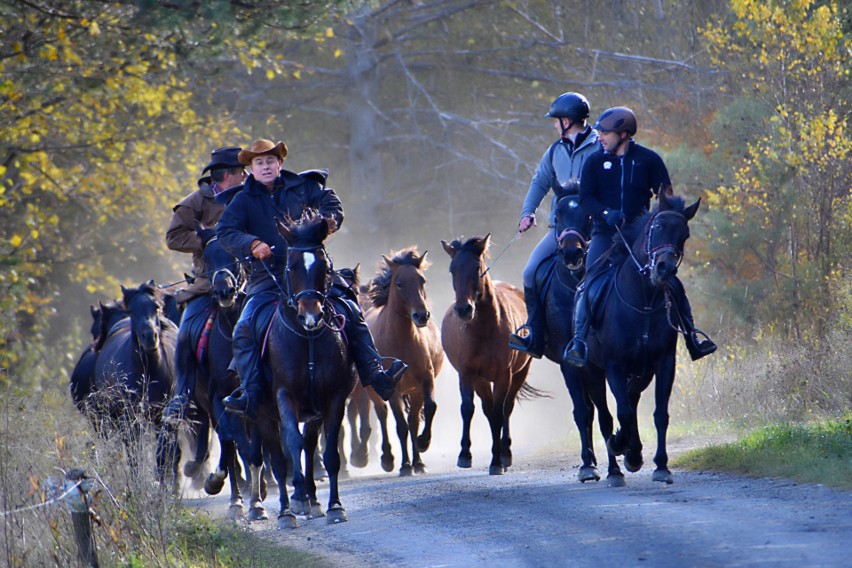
{"points": [[124, 378]]}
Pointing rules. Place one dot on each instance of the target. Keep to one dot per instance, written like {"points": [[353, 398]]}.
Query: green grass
{"points": [[200, 541], [817, 453]]}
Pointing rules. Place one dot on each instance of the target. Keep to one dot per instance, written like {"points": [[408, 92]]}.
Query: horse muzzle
{"points": [[664, 268], [421, 319], [464, 311]]}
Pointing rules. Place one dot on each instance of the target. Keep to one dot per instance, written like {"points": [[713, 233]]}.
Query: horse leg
{"points": [[467, 407], [516, 381], [617, 444], [257, 512], [583, 418], [310, 435], [596, 387], [387, 453], [633, 460], [662, 395], [492, 407], [278, 465], [331, 457], [192, 469], [405, 468], [430, 407], [294, 445], [341, 451], [416, 405]]}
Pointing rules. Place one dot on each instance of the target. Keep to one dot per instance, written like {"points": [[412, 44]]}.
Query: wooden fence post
{"points": [[78, 503]]}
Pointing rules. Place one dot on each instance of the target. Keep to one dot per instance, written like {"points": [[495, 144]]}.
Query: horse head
{"points": [[221, 268], [308, 273], [659, 248], [573, 227], [145, 304], [401, 286], [467, 268]]}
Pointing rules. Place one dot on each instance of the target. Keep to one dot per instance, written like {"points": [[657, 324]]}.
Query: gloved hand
{"points": [[614, 217], [526, 223]]}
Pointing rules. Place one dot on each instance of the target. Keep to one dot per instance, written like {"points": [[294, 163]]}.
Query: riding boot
{"points": [[247, 347], [698, 343], [577, 351], [533, 342], [366, 357], [175, 408]]}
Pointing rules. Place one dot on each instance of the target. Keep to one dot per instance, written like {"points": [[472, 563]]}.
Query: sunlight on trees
{"points": [[785, 212]]}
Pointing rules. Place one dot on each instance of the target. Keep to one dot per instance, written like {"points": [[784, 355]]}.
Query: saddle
{"points": [[543, 277], [599, 285]]}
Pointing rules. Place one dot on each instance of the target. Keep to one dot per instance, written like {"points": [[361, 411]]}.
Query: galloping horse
{"points": [[587, 386], [475, 334], [634, 338], [402, 327], [135, 369], [310, 367]]}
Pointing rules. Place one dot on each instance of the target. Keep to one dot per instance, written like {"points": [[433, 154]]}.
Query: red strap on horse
{"points": [[205, 337]]}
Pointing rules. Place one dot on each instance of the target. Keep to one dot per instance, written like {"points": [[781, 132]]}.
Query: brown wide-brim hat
{"points": [[260, 148]]}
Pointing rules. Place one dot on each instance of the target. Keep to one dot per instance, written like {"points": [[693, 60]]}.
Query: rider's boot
{"points": [[577, 351], [533, 342], [698, 343]]}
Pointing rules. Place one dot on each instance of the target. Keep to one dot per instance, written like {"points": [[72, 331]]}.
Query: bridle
{"points": [[651, 250], [309, 293]]}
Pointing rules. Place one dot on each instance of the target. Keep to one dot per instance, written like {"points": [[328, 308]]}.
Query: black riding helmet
{"points": [[617, 119], [569, 105]]}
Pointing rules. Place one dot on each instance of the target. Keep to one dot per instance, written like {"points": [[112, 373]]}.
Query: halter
{"points": [[652, 251]]}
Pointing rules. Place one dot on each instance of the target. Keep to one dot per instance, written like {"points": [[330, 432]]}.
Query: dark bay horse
{"points": [[310, 367], [402, 327], [635, 325], [475, 335], [135, 368], [587, 386]]}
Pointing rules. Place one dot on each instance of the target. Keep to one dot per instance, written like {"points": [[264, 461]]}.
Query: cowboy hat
{"points": [[225, 157], [261, 147]]}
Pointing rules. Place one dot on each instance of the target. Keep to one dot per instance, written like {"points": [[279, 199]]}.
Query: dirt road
{"points": [[538, 514]]}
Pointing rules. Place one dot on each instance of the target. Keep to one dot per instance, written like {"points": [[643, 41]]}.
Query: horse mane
{"points": [[469, 245], [635, 228], [379, 287]]}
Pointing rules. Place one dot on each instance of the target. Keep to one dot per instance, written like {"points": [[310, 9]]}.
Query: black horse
{"points": [[635, 324], [310, 368], [203, 355], [587, 387], [135, 369]]}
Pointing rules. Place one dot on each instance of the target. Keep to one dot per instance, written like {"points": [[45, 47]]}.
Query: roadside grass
{"points": [[813, 453], [138, 522]]}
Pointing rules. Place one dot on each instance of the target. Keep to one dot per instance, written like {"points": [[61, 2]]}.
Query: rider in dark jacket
{"points": [[248, 229], [616, 187]]}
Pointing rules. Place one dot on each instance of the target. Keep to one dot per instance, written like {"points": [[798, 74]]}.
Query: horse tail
{"points": [[529, 392]]}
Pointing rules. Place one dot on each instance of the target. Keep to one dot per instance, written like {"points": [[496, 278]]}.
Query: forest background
{"points": [[430, 117]]}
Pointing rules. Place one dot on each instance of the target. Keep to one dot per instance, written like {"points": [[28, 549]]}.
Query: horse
{"points": [[135, 368], [474, 335], [587, 386], [635, 324], [402, 327], [310, 367]]}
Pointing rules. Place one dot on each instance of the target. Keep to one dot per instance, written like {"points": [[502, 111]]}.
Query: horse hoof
{"points": [[633, 461], [336, 515], [236, 512], [406, 471], [663, 475], [343, 474], [316, 512], [287, 520], [258, 514], [423, 443], [589, 473], [465, 462], [614, 447], [359, 460], [191, 469], [506, 460], [420, 468], [387, 464], [300, 507], [214, 484], [495, 470], [615, 480]]}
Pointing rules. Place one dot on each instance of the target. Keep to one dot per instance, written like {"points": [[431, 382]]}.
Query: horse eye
{"points": [[398, 284]]}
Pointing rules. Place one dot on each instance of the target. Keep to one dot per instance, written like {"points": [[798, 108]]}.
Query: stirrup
{"points": [[576, 353], [698, 347], [519, 342]]}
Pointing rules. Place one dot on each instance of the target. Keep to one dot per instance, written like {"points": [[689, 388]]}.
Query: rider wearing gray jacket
{"points": [[558, 169]]}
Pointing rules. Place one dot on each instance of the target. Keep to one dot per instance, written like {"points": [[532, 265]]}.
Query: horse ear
{"points": [[449, 248], [390, 264], [690, 211], [151, 283], [284, 231], [422, 263], [124, 290], [483, 243], [664, 201]]}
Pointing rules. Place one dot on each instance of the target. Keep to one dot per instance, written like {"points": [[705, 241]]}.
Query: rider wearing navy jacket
{"points": [[248, 229], [616, 187]]}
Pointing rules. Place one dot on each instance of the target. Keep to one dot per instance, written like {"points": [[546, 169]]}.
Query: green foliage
{"points": [[818, 453], [782, 235]]}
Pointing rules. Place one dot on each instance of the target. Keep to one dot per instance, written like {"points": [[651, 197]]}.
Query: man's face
{"points": [[233, 177], [265, 168], [609, 140]]}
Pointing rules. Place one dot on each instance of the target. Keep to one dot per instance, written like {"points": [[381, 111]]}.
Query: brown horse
{"points": [[475, 336], [402, 327]]}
